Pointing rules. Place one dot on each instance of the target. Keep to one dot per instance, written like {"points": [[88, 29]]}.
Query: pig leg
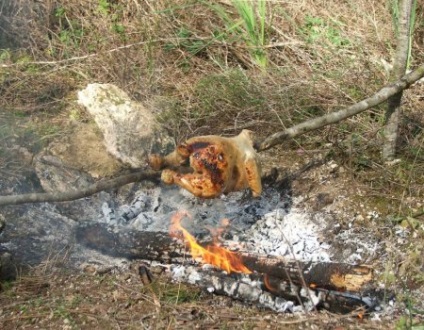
{"points": [[200, 185]]}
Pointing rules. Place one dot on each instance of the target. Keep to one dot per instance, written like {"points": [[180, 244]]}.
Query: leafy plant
{"points": [[5, 55], [103, 7], [69, 32], [250, 27], [254, 24]]}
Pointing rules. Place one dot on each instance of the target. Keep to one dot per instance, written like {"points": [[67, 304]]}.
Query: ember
{"points": [[212, 254]]}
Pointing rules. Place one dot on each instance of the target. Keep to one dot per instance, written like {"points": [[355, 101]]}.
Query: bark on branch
{"points": [[381, 96], [73, 195], [394, 110]]}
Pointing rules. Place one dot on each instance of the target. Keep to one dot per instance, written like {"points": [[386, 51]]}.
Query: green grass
{"points": [[253, 15], [248, 27], [318, 30]]}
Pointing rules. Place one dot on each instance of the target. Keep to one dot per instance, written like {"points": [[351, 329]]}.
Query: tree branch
{"points": [[381, 96], [73, 195]]}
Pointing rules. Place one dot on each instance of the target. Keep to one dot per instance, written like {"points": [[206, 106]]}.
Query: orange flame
{"points": [[213, 254], [267, 284]]}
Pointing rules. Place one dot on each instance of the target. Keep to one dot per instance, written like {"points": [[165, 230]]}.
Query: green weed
{"points": [[248, 28], [407, 321], [254, 24], [5, 55], [175, 293], [69, 33], [103, 7], [316, 29], [186, 41]]}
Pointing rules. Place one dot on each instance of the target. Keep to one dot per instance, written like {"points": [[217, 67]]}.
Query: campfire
{"points": [[284, 257], [213, 254], [337, 286], [264, 270]]}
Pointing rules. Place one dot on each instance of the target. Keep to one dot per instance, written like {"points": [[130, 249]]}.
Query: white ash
{"points": [[359, 246], [293, 235], [270, 225], [151, 209], [242, 287]]}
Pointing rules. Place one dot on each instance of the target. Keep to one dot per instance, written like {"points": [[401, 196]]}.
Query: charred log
{"points": [[337, 287], [161, 247], [324, 275], [331, 300], [251, 288]]}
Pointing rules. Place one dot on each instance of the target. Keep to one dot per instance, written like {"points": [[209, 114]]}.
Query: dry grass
{"points": [[322, 56]]}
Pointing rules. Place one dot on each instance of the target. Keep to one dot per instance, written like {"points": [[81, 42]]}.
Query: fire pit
{"points": [[266, 250]]}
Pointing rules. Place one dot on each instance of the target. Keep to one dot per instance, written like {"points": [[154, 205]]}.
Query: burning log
{"points": [[324, 275], [337, 287]]}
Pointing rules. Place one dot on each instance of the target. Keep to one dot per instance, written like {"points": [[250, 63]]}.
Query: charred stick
{"points": [[160, 247], [324, 275], [250, 288]]}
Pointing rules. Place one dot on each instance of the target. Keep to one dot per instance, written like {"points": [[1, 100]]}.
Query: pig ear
{"points": [[183, 150]]}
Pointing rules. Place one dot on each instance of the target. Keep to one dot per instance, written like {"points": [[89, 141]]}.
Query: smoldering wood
{"points": [[331, 300], [324, 275], [287, 298], [237, 286], [344, 286]]}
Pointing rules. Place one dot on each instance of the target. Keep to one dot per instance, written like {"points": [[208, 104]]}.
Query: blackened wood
{"points": [[325, 275], [331, 300], [130, 244], [159, 246]]}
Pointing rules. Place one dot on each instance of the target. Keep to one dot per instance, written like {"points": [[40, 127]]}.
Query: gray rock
{"points": [[130, 130]]}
